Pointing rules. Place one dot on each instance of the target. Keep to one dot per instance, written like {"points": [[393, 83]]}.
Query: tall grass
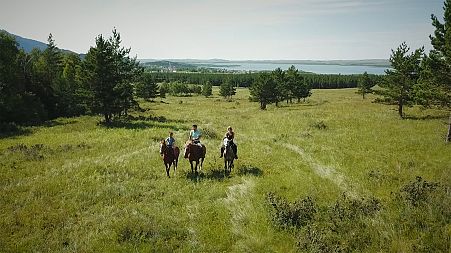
{"points": [[76, 186]]}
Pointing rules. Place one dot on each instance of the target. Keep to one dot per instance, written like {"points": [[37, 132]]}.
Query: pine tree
{"points": [[147, 88], [292, 78], [298, 86], [281, 90], [111, 73], [227, 89], [439, 62], [264, 90], [207, 89], [399, 82], [72, 96], [365, 84]]}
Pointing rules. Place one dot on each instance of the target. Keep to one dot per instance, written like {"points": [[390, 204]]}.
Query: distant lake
{"points": [[319, 69]]}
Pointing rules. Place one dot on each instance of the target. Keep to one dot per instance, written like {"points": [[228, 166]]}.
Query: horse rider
{"points": [[230, 135], [194, 138], [170, 142], [194, 135]]}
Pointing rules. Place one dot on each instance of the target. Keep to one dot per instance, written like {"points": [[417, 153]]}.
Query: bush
{"points": [[343, 227], [209, 133], [291, 215], [418, 191], [320, 125], [418, 215]]}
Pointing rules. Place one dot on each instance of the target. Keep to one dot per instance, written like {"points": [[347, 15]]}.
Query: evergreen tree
{"points": [[292, 78], [46, 74], [147, 88], [281, 90], [207, 89], [298, 86], [399, 82], [111, 73], [227, 89], [264, 90], [438, 63], [164, 88], [72, 96], [18, 100], [365, 84]]}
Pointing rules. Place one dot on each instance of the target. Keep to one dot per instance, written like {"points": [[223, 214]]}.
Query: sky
{"points": [[230, 29]]}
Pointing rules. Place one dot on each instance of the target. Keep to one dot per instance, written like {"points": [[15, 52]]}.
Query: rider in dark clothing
{"points": [[230, 135]]}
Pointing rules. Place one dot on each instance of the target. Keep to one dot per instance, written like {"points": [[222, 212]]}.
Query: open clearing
{"points": [[75, 186]]}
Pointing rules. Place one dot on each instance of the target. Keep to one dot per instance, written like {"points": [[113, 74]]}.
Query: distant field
{"points": [[75, 186]]}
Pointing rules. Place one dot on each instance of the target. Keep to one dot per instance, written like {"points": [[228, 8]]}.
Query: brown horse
{"points": [[170, 156], [229, 155], [195, 153]]}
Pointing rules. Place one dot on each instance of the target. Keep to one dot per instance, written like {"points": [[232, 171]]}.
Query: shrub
{"points": [[418, 191], [320, 125], [209, 133], [287, 215]]}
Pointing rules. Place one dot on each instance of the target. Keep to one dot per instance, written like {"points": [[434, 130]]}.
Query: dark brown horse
{"points": [[195, 153], [229, 155], [170, 156]]}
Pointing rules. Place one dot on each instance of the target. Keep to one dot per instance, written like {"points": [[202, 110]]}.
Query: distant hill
{"points": [[364, 62], [28, 44]]}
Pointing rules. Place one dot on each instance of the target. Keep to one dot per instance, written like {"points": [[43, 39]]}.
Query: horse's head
{"points": [[162, 146]]}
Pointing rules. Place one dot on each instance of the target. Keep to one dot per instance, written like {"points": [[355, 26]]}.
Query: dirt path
{"points": [[326, 172]]}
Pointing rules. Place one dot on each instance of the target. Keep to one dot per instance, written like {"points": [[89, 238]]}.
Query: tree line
{"points": [[43, 85], [316, 81]]}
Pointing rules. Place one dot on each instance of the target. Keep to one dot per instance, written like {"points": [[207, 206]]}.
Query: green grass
{"points": [[89, 188]]}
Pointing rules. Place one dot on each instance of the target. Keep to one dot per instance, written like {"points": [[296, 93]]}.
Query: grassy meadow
{"points": [[73, 185]]}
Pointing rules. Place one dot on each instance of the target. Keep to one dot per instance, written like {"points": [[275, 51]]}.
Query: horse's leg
{"points": [[167, 169], [201, 163], [175, 166], [191, 163]]}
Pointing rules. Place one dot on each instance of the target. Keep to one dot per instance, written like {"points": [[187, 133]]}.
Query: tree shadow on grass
{"points": [[11, 133], [54, 123], [140, 124], [161, 119], [296, 105], [8, 130], [127, 124], [426, 117]]}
